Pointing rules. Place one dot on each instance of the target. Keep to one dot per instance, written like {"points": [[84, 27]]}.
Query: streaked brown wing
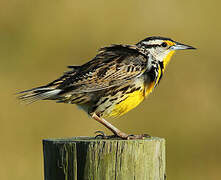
{"points": [[113, 66]]}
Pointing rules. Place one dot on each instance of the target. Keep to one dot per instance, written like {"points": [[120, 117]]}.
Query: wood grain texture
{"points": [[84, 158]]}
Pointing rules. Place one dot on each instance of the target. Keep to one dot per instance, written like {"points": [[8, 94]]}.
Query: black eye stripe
{"points": [[151, 45]]}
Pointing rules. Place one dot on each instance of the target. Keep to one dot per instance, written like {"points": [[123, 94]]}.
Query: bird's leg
{"points": [[108, 125], [117, 132]]}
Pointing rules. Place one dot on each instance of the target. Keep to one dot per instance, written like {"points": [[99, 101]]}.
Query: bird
{"points": [[112, 83]]}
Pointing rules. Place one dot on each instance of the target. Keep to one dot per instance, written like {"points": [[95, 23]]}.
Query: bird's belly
{"points": [[126, 103], [119, 101]]}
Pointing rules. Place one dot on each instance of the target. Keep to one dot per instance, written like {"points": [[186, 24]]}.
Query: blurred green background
{"points": [[38, 39]]}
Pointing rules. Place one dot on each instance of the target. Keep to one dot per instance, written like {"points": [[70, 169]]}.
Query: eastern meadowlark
{"points": [[115, 81]]}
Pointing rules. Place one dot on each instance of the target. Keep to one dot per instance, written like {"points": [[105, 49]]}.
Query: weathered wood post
{"points": [[84, 158]]}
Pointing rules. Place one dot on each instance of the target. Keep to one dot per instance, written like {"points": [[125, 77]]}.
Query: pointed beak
{"points": [[179, 46]]}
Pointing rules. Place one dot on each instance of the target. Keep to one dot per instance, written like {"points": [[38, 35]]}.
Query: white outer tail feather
{"points": [[34, 95]]}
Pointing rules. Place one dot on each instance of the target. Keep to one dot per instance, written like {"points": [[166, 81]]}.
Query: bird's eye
{"points": [[164, 44]]}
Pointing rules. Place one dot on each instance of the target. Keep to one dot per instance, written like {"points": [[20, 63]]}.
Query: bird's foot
{"points": [[140, 136], [132, 136], [102, 135], [120, 135]]}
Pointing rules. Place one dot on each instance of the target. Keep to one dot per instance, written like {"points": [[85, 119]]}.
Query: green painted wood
{"points": [[84, 158]]}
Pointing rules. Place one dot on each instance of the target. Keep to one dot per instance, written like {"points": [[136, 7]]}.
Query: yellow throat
{"points": [[167, 59]]}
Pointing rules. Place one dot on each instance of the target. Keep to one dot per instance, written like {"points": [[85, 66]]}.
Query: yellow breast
{"points": [[129, 103], [132, 100]]}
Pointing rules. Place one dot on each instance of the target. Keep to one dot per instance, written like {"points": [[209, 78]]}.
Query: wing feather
{"points": [[113, 66]]}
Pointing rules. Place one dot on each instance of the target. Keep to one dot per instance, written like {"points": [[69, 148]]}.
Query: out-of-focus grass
{"points": [[39, 38]]}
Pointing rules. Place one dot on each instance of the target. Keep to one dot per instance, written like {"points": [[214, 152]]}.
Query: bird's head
{"points": [[162, 48]]}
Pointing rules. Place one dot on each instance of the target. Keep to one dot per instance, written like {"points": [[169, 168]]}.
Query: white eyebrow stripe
{"points": [[153, 42]]}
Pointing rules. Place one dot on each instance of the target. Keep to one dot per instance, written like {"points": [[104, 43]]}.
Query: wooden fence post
{"points": [[84, 158]]}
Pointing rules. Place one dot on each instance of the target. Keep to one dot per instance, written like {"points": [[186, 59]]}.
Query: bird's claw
{"points": [[140, 136], [100, 134]]}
